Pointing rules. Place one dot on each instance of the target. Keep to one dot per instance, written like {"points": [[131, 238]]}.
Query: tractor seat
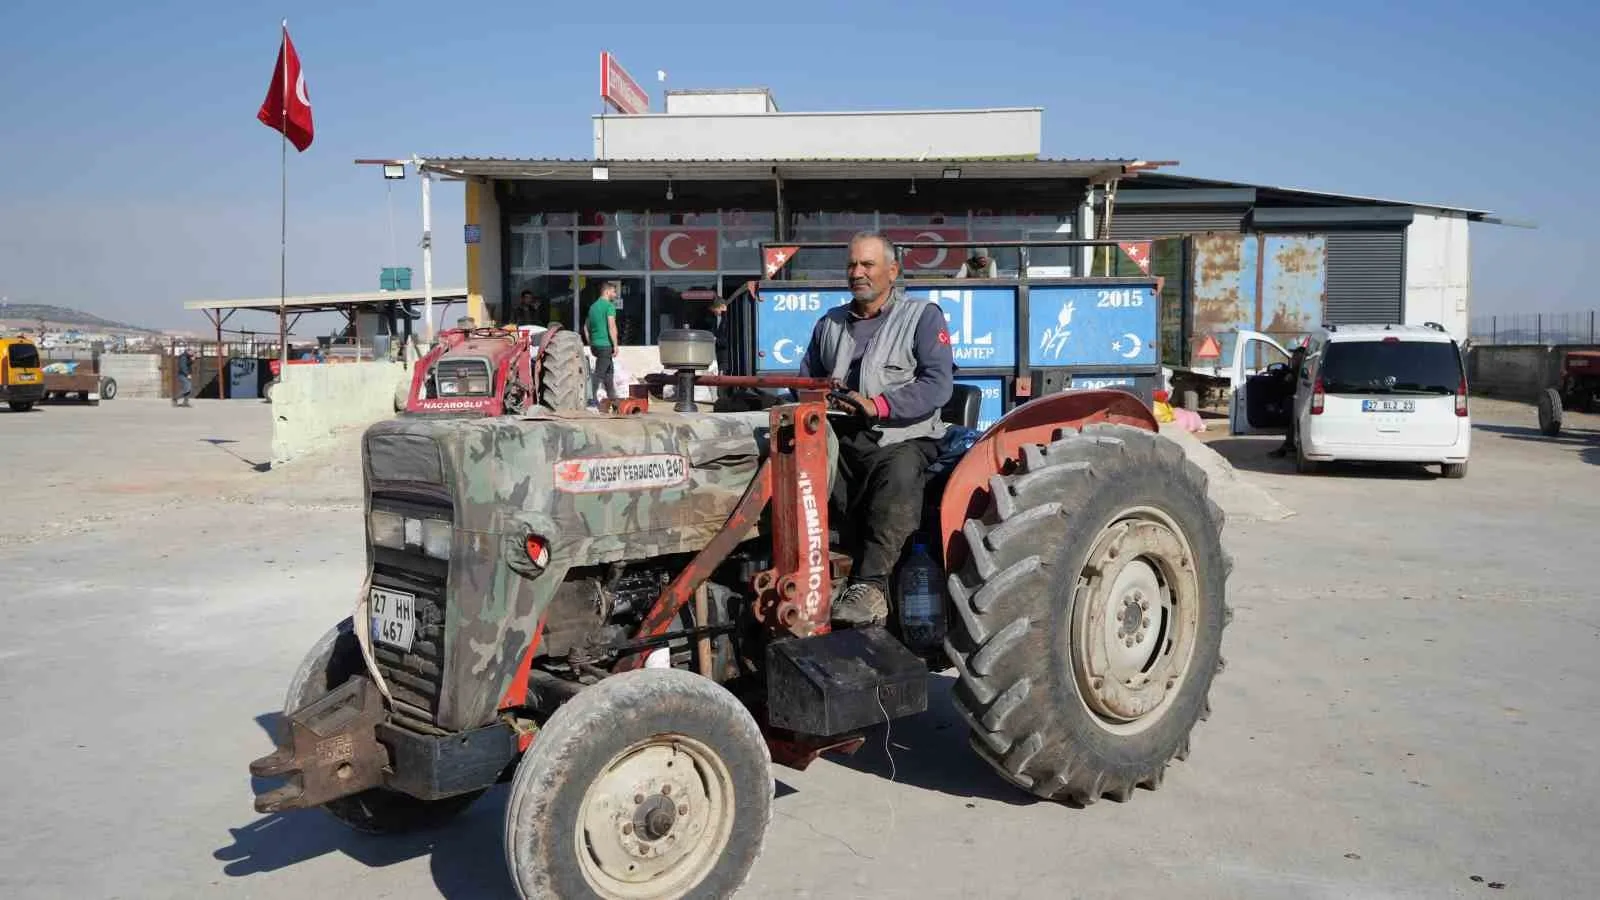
{"points": [[962, 410]]}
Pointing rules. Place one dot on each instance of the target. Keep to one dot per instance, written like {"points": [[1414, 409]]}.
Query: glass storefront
{"points": [[671, 264]]}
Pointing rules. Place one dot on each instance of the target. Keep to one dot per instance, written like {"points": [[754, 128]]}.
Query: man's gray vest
{"points": [[889, 361]]}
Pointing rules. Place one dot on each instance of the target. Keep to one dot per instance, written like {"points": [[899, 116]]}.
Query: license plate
{"points": [[1389, 406], [394, 618]]}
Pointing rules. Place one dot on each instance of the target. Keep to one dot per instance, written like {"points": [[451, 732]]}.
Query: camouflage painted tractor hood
{"points": [[598, 489]]}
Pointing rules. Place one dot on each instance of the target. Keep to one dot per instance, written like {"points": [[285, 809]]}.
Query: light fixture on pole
{"points": [[394, 171], [952, 173]]}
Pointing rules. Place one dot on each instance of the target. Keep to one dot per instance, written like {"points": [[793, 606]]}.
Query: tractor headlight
{"points": [[388, 529], [397, 532], [436, 537]]}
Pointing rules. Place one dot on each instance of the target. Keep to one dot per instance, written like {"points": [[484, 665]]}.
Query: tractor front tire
{"points": [[331, 662], [1550, 412], [564, 373], [1090, 610], [651, 783]]}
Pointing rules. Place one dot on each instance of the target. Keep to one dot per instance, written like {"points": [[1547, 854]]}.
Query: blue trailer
{"points": [[1015, 338]]}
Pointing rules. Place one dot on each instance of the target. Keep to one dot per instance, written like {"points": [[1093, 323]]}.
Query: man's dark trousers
{"points": [[604, 372], [879, 489]]}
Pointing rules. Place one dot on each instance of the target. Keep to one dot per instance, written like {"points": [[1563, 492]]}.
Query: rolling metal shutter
{"points": [[1366, 277], [1128, 223]]}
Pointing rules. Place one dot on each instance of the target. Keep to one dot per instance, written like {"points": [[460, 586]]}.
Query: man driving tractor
{"points": [[891, 355]]}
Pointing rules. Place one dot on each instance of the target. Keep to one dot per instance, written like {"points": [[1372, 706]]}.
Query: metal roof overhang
{"points": [[308, 303], [1093, 170]]}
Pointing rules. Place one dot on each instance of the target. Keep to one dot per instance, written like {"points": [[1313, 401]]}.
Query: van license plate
{"points": [[394, 618], [1389, 406]]}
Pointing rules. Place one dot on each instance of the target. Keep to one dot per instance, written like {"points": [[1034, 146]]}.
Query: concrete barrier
{"points": [[1516, 371], [138, 375], [312, 405]]}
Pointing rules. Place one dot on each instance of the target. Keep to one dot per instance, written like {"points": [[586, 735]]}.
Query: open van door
{"points": [[1263, 398]]}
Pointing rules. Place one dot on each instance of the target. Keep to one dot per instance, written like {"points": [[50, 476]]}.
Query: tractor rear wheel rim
{"points": [[1134, 620], [655, 820]]}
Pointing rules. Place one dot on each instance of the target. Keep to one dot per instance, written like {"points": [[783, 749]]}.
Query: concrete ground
{"points": [[1407, 709]]}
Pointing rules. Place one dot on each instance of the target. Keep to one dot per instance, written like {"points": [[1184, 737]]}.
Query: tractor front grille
{"points": [[414, 679], [462, 377]]}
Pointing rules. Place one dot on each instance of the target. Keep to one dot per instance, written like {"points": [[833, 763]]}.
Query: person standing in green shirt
{"points": [[600, 331]]}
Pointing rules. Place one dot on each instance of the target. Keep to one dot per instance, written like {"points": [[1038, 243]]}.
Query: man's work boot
{"points": [[863, 603]]}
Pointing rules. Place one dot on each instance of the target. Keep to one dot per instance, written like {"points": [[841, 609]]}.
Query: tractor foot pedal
{"points": [[834, 683]]}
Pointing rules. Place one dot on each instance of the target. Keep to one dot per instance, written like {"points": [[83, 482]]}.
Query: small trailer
{"points": [[78, 380]]}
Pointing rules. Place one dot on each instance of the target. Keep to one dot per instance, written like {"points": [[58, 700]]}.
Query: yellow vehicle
{"points": [[21, 377]]}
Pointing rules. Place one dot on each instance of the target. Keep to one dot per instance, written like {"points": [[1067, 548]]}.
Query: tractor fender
{"points": [[1035, 422]]}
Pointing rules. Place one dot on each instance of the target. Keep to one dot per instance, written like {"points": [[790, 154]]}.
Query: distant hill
{"points": [[60, 318]]}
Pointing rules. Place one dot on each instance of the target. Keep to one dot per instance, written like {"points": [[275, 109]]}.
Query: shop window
{"points": [[741, 249], [527, 247], [682, 301], [684, 219], [554, 290], [561, 244], [630, 305]]}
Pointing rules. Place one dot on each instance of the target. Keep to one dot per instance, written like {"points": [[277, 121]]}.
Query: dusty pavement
{"points": [[1407, 706]]}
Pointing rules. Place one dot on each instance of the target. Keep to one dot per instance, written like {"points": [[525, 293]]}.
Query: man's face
{"points": [[870, 270], [527, 299]]}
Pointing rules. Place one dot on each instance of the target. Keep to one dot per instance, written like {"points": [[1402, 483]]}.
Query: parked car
{"points": [[1368, 393]]}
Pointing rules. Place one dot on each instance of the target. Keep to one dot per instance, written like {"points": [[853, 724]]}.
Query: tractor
{"points": [[486, 371], [625, 615], [1580, 382]]}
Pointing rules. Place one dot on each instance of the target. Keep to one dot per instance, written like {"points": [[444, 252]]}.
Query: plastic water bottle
{"points": [[920, 600]]}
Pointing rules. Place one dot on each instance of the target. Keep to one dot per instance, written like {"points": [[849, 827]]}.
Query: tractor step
{"points": [[838, 682]]}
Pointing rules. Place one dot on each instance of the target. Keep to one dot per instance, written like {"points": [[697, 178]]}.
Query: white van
{"points": [[1372, 393]]}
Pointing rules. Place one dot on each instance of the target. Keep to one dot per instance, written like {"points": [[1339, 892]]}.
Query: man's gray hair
{"points": [[889, 249]]}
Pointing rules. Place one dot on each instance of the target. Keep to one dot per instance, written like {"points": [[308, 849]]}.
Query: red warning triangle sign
{"points": [[1209, 349]]}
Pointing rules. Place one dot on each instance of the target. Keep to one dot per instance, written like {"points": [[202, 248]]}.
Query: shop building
{"points": [[674, 206]]}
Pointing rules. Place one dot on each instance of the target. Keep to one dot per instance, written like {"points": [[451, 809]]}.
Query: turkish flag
{"points": [[684, 250], [930, 258], [287, 108]]}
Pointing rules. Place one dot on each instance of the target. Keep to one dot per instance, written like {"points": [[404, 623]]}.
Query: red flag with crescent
{"points": [[684, 249], [288, 107]]}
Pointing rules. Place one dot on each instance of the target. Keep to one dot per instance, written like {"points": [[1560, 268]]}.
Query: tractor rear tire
{"points": [[1550, 412], [331, 662], [564, 375], [651, 783], [21, 405], [1090, 611], [108, 388]]}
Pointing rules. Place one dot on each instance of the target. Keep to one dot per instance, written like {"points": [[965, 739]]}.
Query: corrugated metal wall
{"points": [[1152, 222], [1366, 277]]}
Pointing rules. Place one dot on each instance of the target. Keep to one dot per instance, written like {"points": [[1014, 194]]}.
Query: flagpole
{"points": [[283, 203]]}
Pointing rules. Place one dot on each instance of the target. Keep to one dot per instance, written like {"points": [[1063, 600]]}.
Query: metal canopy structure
{"points": [[1092, 170], [218, 312]]}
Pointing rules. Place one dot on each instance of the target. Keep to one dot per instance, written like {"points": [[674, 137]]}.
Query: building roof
{"points": [[1172, 180], [307, 303], [791, 169]]}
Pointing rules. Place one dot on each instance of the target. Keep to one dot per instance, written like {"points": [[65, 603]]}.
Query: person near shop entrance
{"points": [[600, 332], [530, 310], [891, 355]]}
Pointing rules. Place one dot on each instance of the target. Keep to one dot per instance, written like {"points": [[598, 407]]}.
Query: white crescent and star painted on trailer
{"points": [[779, 355], [666, 250], [1138, 344]]}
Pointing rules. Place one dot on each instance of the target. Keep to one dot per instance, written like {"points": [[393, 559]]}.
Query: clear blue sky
{"points": [[137, 177]]}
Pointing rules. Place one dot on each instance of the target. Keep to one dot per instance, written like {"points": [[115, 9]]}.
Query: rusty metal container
{"points": [[1218, 283]]}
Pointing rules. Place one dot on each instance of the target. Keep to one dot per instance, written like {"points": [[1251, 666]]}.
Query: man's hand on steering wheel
{"points": [[853, 402]]}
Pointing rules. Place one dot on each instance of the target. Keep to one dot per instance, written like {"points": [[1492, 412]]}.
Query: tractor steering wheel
{"points": [[843, 401]]}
